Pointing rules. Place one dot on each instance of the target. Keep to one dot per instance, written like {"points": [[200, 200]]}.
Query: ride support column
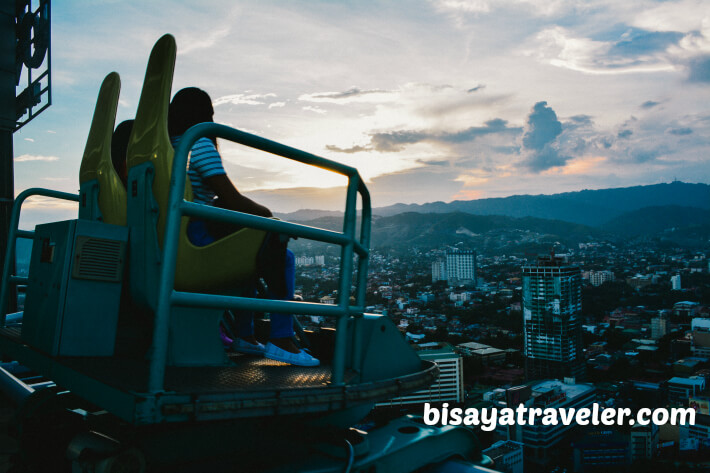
{"points": [[8, 80]]}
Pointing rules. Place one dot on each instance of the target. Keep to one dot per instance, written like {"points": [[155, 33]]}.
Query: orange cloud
{"points": [[468, 195], [583, 165]]}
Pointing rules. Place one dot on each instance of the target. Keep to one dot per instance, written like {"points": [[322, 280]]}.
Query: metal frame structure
{"points": [[178, 207], [10, 281], [34, 90], [157, 403]]}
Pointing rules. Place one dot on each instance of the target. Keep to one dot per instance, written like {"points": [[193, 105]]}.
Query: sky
{"points": [[435, 100]]}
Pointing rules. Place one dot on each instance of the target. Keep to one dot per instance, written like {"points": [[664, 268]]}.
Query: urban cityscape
{"points": [[613, 324]]}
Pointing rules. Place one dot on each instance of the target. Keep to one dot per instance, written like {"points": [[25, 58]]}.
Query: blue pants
{"points": [[281, 324]]}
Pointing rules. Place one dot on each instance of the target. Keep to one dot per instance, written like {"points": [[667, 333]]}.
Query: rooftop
{"points": [[501, 448], [473, 345], [572, 391], [435, 349], [687, 381], [488, 351]]}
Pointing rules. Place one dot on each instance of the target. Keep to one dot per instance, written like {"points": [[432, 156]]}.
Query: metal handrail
{"points": [[7, 278], [178, 207]]}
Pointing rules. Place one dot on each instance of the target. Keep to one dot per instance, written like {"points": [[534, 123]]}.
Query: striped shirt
{"points": [[205, 162]]}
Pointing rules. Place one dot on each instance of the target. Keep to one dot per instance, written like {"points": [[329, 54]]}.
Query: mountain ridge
{"points": [[593, 207]]}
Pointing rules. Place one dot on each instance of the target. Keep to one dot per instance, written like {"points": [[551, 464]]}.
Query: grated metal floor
{"points": [[245, 373]]}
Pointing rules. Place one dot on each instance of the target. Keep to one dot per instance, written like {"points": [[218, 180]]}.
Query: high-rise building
{"points": [[461, 267], [700, 332], [675, 282], [552, 301], [601, 448], [449, 385], [644, 441], [438, 270], [659, 327], [597, 278], [699, 430], [310, 260], [507, 456], [540, 438], [680, 390]]}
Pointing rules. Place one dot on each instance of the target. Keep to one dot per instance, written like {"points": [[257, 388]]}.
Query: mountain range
{"points": [[676, 212], [588, 207]]}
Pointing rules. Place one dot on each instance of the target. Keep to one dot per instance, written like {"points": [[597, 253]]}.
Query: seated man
{"points": [[211, 186]]}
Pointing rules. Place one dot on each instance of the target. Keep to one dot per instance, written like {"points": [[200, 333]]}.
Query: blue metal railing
{"points": [[178, 207], [10, 280]]}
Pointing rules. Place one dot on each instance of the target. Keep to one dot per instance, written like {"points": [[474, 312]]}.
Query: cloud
{"points": [[242, 99], [215, 36], [506, 149], [624, 133], [541, 131], [45, 203], [645, 155], [435, 162], [635, 51], [55, 179], [473, 178], [31, 140], [637, 42], [581, 120], [542, 127], [683, 15], [579, 166], [699, 69], [351, 95], [461, 8], [497, 125], [353, 149], [397, 140], [315, 109], [464, 6], [29, 157], [425, 184], [277, 104], [649, 104], [680, 131]]}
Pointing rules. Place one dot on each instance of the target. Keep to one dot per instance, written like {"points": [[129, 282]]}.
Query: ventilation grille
{"points": [[98, 259]]}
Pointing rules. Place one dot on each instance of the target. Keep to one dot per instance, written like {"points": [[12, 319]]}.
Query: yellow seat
{"points": [[103, 196], [218, 266]]}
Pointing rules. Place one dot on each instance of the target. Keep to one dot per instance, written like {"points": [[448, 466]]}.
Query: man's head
{"points": [[119, 148], [189, 107]]}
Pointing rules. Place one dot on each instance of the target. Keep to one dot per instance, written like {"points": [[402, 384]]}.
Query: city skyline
{"points": [[438, 100]]}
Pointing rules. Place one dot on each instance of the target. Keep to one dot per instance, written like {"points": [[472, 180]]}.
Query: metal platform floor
{"points": [[246, 373], [249, 387]]}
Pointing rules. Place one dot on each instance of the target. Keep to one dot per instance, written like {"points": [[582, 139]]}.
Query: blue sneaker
{"points": [[242, 346], [299, 359]]}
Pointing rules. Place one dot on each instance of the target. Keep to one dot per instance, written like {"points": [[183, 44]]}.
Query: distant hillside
{"points": [[484, 232], [656, 219], [308, 214], [588, 207]]}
